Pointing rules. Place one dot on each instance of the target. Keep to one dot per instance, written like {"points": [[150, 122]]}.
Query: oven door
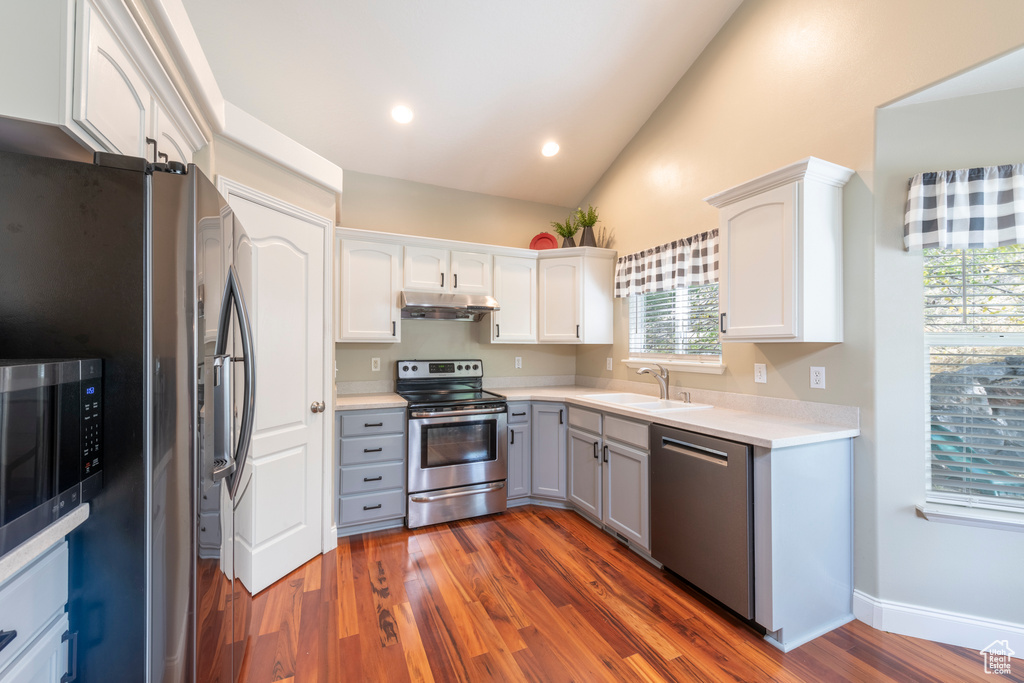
{"points": [[457, 448]]}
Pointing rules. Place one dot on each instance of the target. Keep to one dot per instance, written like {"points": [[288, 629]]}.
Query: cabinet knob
{"points": [[318, 407]]}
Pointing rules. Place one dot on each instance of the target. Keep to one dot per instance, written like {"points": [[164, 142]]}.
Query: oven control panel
{"points": [[439, 369]]}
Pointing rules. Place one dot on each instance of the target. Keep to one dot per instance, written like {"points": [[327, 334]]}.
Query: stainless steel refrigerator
{"points": [[146, 267]]}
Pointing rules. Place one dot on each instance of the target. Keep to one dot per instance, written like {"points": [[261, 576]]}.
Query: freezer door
{"points": [[226, 410]]}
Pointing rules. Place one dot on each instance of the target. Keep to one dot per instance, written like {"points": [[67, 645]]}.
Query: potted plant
{"points": [[566, 231], [586, 220]]}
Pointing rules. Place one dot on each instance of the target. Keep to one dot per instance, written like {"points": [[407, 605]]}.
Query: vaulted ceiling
{"points": [[489, 82]]}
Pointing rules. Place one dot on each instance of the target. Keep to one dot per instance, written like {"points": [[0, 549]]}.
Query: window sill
{"points": [[676, 365], [986, 519]]}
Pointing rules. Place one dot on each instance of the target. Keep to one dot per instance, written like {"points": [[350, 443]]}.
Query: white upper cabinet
{"points": [[426, 269], [432, 269], [515, 289], [85, 66], [113, 101], [781, 269], [575, 296], [369, 280], [471, 273]]}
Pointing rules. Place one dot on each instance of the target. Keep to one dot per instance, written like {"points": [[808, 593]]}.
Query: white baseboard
{"points": [[932, 624]]}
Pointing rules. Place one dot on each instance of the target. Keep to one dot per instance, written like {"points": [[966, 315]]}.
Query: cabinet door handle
{"points": [[377, 478], [577, 331], [372, 450], [442, 279], [373, 424], [497, 330], [606, 453], [518, 414], [721, 326], [560, 417], [512, 434], [455, 280], [595, 451], [372, 507], [6, 637], [72, 673], [393, 324]]}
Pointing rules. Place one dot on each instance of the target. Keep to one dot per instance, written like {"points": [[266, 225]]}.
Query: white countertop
{"points": [[758, 429], [18, 558]]}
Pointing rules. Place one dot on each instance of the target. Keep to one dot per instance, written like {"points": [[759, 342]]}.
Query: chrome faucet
{"points": [[661, 375]]}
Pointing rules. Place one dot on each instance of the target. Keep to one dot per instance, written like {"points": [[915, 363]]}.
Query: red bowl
{"points": [[544, 240]]}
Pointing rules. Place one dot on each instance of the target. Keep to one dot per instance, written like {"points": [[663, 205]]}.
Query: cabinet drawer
{"points": [[370, 507], [585, 419], [32, 598], [362, 450], [626, 431], [372, 422], [518, 412], [366, 478]]}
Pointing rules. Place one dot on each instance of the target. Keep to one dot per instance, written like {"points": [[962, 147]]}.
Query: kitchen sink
{"points": [[642, 402]]}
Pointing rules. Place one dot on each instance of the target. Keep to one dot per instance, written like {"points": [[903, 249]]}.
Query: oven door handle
{"points": [[430, 498], [419, 414]]}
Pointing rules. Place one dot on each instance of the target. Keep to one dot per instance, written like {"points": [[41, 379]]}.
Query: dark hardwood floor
{"points": [[539, 594]]}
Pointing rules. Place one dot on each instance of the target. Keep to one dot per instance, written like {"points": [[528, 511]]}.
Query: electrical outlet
{"points": [[608, 365], [817, 378], [375, 364], [519, 363], [760, 373]]}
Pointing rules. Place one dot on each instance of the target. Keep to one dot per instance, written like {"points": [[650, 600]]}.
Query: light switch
{"points": [[760, 373]]}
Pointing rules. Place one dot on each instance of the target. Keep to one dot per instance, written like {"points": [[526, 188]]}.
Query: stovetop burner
{"points": [[443, 383]]}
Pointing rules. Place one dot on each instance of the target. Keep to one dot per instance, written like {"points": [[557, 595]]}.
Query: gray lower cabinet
{"points": [[370, 454], [518, 485], [32, 608], [547, 450], [609, 472]]}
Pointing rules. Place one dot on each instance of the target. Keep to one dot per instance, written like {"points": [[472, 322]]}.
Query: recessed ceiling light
{"points": [[402, 114], [549, 149]]}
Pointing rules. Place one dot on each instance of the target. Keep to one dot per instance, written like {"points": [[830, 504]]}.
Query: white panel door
{"points": [[561, 299], [113, 101], [471, 273], [756, 285], [281, 513], [369, 281], [515, 288], [426, 269]]}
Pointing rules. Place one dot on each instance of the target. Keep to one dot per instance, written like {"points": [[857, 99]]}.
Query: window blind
{"points": [[974, 313], [682, 322]]}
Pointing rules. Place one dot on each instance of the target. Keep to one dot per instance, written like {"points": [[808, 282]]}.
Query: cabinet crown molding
{"points": [[811, 168]]}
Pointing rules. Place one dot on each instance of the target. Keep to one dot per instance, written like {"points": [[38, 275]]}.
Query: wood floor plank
{"points": [[412, 645], [534, 594]]}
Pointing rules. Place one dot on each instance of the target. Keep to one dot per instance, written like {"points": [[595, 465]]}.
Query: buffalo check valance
{"points": [[682, 263], [965, 208]]}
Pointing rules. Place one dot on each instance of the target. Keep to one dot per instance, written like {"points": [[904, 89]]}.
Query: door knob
{"points": [[317, 407]]}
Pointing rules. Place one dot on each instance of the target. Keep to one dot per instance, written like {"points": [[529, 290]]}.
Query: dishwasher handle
{"points": [[694, 451]]}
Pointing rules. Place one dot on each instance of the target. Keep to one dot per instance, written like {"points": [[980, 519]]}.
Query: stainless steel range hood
{"points": [[434, 306]]}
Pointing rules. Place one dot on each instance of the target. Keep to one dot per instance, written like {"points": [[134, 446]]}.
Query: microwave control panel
{"points": [[92, 437]]}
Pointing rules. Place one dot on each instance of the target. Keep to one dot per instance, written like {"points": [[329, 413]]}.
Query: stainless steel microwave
{"points": [[51, 442]]}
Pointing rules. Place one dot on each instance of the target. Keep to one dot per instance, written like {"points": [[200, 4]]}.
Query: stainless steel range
{"points": [[458, 454]]}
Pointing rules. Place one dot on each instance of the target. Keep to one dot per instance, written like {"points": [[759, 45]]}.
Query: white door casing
{"points": [[284, 516]]}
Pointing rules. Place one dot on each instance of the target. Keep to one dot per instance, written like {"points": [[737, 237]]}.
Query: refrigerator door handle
{"points": [[233, 295]]}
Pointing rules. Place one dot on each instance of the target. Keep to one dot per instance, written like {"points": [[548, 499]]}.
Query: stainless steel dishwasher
{"points": [[702, 525]]}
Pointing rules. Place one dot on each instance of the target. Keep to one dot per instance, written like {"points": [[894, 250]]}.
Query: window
{"points": [[974, 331], [681, 324]]}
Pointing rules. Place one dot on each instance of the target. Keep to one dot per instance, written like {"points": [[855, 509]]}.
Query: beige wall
{"points": [[976, 564], [390, 205], [451, 339], [783, 80], [400, 206]]}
